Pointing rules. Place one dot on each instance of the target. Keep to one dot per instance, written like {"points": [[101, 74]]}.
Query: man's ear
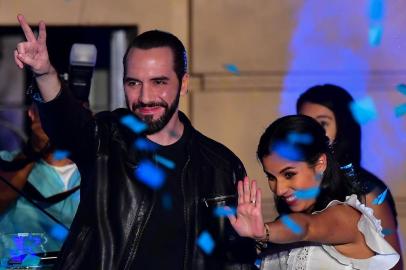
{"points": [[184, 84]]}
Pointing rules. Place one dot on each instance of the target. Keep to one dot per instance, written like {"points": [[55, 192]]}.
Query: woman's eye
{"points": [[324, 124], [289, 175]]}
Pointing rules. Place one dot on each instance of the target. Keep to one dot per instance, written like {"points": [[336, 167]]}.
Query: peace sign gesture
{"points": [[33, 52]]}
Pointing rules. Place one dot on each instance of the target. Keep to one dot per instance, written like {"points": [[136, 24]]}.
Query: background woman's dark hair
{"points": [[334, 185], [347, 143]]}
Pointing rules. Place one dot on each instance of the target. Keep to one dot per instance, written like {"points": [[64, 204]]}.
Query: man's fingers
{"points": [[29, 35], [20, 48], [25, 60], [17, 61], [42, 36]]}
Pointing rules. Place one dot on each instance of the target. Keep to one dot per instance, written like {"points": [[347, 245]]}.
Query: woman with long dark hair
{"points": [[330, 106], [322, 224]]}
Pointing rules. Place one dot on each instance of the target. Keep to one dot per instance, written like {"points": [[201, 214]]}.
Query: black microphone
{"points": [[82, 62]]}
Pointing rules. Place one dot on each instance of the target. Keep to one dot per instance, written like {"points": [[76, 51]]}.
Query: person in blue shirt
{"points": [[52, 183]]}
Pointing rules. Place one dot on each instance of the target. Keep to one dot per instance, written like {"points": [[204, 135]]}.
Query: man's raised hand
{"points": [[32, 52]]}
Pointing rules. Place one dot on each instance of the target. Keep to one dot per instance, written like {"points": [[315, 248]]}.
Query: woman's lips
{"points": [[290, 200]]}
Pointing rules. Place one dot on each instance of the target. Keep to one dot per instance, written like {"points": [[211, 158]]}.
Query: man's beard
{"points": [[153, 126]]}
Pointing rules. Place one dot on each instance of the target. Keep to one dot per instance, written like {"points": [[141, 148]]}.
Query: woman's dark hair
{"points": [[334, 184], [347, 143]]}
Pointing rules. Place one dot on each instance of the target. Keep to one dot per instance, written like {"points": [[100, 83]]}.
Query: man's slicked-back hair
{"points": [[159, 39]]}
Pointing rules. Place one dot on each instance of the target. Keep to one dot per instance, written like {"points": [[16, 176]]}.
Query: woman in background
{"points": [[322, 223], [330, 106]]}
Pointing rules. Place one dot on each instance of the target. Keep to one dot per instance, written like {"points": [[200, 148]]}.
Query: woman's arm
{"points": [[335, 225]]}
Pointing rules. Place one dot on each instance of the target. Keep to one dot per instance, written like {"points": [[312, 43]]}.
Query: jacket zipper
{"points": [[186, 215], [217, 199], [137, 241]]}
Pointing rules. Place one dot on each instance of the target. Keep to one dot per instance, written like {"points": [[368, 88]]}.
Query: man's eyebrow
{"points": [[160, 78], [127, 79]]}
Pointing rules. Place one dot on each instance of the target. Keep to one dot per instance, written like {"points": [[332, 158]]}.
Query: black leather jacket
{"points": [[114, 209]]}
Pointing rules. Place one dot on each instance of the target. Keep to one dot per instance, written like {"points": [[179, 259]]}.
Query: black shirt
{"points": [[162, 245]]}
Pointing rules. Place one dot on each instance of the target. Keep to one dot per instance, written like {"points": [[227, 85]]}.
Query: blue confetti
{"points": [[31, 260], [205, 242], [257, 263], [133, 123], [387, 232], [381, 197], [150, 174], [224, 211], [287, 151], [167, 201], [291, 224], [376, 10], [164, 161], [307, 194], [400, 110], [232, 69], [301, 138], [401, 88], [375, 35], [60, 154], [363, 110], [145, 145], [59, 232]]}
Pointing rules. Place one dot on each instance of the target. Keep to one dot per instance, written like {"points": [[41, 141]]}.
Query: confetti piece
{"points": [[145, 145], [291, 224], [59, 232], [232, 69], [375, 35], [133, 123], [257, 263], [301, 138], [224, 211], [150, 174], [60, 154], [381, 197], [31, 260], [387, 232], [307, 194], [164, 161], [400, 110], [401, 88], [205, 242], [287, 151], [376, 9], [363, 110], [167, 201]]}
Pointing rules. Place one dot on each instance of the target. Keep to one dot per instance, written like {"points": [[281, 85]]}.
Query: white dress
{"points": [[319, 257]]}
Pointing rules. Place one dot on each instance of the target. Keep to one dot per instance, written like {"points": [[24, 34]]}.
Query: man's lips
{"points": [[149, 110]]}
